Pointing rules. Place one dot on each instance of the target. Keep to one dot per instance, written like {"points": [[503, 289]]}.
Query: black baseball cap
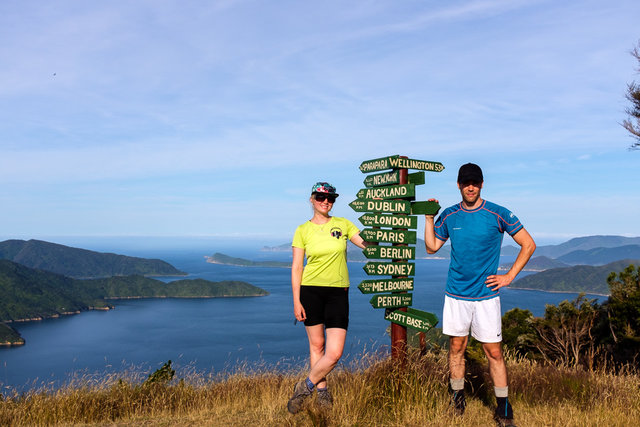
{"points": [[470, 172]]}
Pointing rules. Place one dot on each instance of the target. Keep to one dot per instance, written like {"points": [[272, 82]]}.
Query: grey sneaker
{"points": [[324, 399], [300, 393]]}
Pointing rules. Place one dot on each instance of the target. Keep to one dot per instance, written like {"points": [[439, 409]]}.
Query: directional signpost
{"points": [[388, 205]]}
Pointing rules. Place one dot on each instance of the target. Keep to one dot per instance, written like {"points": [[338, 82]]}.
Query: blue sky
{"points": [[190, 118]]}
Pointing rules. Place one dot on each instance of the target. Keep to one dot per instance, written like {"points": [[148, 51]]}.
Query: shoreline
{"points": [[559, 292]]}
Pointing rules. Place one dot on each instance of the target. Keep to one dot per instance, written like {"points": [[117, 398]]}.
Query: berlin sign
{"points": [[412, 318], [393, 221], [373, 268], [388, 192], [386, 206], [385, 285], [390, 252], [391, 300], [388, 236]]}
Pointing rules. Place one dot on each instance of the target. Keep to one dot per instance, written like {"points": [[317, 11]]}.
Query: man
{"points": [[475, 227]]}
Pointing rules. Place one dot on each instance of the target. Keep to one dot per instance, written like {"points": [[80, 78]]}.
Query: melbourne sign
{"points": [[386, 285]]}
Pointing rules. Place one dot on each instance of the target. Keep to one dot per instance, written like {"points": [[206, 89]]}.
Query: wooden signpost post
{"points": [[388, 203]]}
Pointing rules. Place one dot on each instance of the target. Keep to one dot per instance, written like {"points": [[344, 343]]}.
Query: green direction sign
{"points": [[386, 206], [388, 236], [423, 165], [387, 178], [391, 300], [393, 221], [391, 178], [389, 192], [390, 252], [376, 165], [386, 285], [373, 268], [424, 208], [412, 318], [397, 162]]}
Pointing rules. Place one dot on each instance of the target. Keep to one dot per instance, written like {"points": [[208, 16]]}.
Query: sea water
{"points": [[217, 335]]}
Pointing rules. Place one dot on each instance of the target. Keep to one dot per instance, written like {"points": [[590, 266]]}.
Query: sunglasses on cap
{"points": [[322, 197]]}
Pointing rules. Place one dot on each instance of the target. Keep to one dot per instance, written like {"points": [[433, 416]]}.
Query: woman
{"points": [[320, 291]]}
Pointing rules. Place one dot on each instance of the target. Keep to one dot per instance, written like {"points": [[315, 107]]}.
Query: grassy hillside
{"points": [[81, 263], [579, 278], [372, 393]]}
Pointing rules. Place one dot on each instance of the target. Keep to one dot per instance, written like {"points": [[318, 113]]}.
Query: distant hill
{"points": [[81, 263], [30, 294], [219, 258], [539, 263], [585, 243], [280, 248], [579, 278], [600, 256]]}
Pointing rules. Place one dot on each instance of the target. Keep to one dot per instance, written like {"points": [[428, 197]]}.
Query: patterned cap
{"points": [[324, 188]]}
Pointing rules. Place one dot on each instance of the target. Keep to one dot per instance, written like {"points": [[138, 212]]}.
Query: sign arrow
{"points": [[393, 221], [412, 318], [390, 252], [391, 300], [386, 285], [388, 192]]}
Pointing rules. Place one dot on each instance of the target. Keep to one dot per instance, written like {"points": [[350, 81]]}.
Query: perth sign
{"points": [[391, 300]]}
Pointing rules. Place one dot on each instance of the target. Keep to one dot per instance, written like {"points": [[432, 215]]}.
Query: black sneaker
{"points": [[458, 402], [300, 393], [324, 399], [504, 415]]}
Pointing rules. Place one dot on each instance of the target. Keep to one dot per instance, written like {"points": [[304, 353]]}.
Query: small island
{"points": [[223, 259]]}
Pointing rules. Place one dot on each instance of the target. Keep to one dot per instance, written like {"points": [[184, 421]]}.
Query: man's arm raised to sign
{"points": [[431, 243], [527, 247]]}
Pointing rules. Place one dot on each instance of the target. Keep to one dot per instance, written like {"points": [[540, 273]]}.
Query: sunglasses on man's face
{"points": [[322, 197]]}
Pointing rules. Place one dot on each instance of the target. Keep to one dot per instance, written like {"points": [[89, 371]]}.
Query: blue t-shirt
{"points": [[476, 238]]}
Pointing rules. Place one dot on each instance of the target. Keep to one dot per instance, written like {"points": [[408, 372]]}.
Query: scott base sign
{"points": [[412, 318]]}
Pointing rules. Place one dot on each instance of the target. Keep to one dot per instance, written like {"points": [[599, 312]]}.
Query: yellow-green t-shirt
{"points": [[325, 247]]}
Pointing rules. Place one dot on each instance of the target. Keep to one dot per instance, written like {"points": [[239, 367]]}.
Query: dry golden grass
{"points": [[371, 394]]}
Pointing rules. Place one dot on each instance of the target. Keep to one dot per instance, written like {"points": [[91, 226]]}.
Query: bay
{"points": [[211, 336]]}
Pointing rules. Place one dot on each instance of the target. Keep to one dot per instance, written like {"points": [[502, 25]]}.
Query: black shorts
{"points": [[325, 305]]}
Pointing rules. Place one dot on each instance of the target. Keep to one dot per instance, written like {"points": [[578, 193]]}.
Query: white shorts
{"points": [[483, 317]]}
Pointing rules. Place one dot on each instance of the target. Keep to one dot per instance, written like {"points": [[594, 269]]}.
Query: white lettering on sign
{"points": [[384, 192], [384, 206], [400, 163], [375, 165], [385, 178], [395, 269], [390, 235], [385, 285], [394, 252]]}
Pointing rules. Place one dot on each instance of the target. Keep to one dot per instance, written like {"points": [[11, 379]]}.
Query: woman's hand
{"points": [[298, 311]]}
